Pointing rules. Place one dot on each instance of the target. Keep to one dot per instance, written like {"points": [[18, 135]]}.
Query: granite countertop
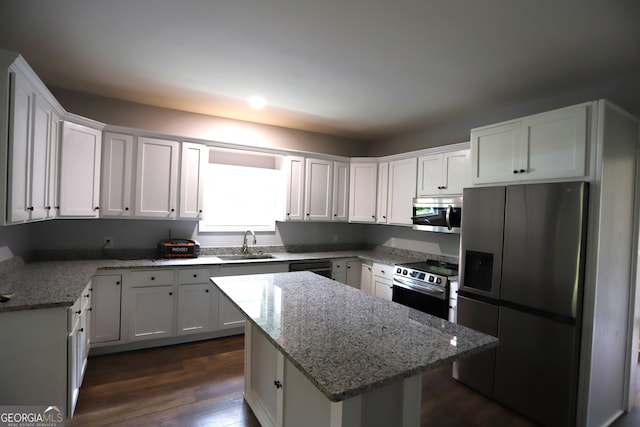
{"points": [[51, 284], [346, 341]]}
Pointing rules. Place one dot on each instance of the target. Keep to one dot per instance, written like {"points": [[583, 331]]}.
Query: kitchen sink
{"points": [[244, 256]]}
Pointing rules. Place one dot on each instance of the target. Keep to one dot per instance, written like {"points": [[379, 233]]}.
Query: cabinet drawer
{"points": [[152, 278], [194, 275], [383, 270]]}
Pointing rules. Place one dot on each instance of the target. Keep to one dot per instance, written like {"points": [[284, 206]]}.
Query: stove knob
{"points": [[398, 270], [439, 280], [404, 272], [431, 279], [421, 276]]}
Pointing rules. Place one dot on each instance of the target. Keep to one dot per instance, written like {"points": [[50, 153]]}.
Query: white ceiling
{"points": [[357, 68]]}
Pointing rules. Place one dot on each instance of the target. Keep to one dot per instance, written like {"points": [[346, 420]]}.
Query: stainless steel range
{"points": [[429, 286]]}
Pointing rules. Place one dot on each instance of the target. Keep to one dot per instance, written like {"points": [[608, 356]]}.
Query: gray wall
{"points": [[624, 92], [14, 241]]}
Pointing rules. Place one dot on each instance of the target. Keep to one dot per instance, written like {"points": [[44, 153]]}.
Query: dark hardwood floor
{"points": [[200, 384]]}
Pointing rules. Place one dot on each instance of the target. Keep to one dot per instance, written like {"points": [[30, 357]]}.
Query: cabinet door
{"points": [[382, 206], [39, 162], [194, 159], [362, 192], [455, 171], [53, 157], [402, 190], [229, 316], [494, 153], [151, 312], [79, 171], [318, 186], [157, 178], [105, 312], [556, 144], [353, 274], [294, 171], [430, 175], [382, 288], [20, 137], [117, 168], [339, 270], [366, 279], [194, 308], [340, 191]]}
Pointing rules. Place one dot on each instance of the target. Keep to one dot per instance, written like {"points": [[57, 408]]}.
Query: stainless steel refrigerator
{"points": [[521, 279]]}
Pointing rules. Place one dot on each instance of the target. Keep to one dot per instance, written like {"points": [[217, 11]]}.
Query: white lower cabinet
{"points": [[105, 311], [280, 395], [353, 273], [382, 280], [79, 326], [339, 270], [197, 302], [151, 312], [366, 278]]}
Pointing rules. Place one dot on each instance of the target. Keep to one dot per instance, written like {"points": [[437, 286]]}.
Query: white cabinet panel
{"points": [[443, 173], [318, 186], [194, 159], [80, 171], [340, 191], [194, 308], [366, 282], [402, 190], [294, 173], [339, 270], [39, 164], [362, 192], [151, 312], [105, 313], [117, 173], [382, 205], [157, 178], [353, 273]]}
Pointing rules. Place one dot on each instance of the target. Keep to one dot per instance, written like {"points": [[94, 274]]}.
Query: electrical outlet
{"points": [[108, 243]]}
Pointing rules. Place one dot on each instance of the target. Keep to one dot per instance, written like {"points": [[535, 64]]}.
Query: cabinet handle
{"points": [[277, 383], [126, 209], [195, 275], [384, 217], [78, 312], [373, 216], [200, 211], [30, 208], [48, 208], [335, 214], [58, 207], [170, 293], [206, 290], [173, 210], [348, 267], [81, 330], [97, 208], [515, 171], [153, 278], [522, 171], [307, 214], [117, 283]]}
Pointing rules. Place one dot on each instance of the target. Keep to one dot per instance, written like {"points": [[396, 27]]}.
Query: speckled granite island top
{"points": [[345, 341]]}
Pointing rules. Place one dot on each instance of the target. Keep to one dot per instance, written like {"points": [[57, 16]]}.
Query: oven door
{"points": [[427, 303]]}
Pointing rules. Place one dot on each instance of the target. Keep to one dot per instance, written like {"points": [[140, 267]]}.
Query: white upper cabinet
{"points": [[117, 172], [544, 146], [157, 178], [402, 190], [33, 141], [382, 204], [194, 158], [443, 173], [362, 192], [53, 204], [80, 171], [340, 191], [318, 189], [294, 175]]}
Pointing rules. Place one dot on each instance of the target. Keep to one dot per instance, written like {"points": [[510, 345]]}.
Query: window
{"points": [[239, 197]]}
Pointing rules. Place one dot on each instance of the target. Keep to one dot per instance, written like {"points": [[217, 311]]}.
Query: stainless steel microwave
{"points": [[439, 214]]}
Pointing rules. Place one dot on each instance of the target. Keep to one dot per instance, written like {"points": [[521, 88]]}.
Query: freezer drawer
{"points": [[477, 371], [536, 367]]}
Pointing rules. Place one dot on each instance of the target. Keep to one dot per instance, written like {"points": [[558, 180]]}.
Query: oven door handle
{"points": [[434, 291], [448, 216]]}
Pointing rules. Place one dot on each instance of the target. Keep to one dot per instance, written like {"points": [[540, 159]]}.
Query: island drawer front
{"points": [[152, 278], [382, 270], [194, 275]]}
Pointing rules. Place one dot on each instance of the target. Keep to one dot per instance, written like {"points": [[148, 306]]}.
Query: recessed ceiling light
{"points": [[257, 102]]}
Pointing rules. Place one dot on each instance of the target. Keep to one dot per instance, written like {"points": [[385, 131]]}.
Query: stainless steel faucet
{"points": [[245, 248]]}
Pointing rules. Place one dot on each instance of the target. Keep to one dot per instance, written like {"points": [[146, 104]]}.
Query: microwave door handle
{"points": [[448, 217]]}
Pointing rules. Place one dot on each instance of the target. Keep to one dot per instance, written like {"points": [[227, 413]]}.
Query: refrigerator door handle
{"points": [[448, 216]]}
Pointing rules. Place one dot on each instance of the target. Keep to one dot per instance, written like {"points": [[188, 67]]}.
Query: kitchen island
{"points": [[318, 352]]}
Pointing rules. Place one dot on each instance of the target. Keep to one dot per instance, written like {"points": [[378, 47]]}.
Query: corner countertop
{"points": [[345, 341], [50, 284]]}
